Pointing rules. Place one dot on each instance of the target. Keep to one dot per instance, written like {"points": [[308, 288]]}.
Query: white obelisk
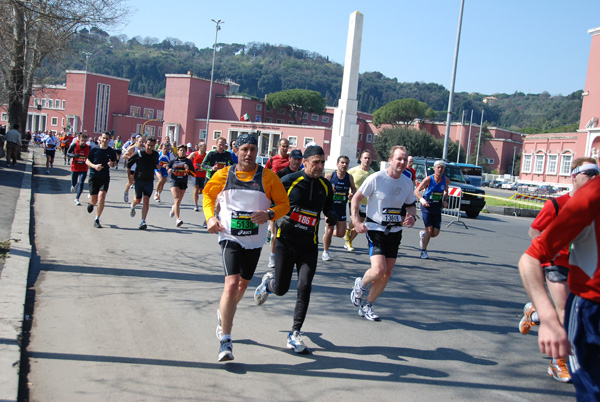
{"points": [[344, 134]]}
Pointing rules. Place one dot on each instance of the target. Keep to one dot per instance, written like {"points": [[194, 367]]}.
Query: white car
{"points": [[507, 186]]}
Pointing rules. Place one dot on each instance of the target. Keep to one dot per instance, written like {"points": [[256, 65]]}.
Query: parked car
{"points": [[262, 160], [485, 183], [471, 204], [546, 190], [507, 185]]}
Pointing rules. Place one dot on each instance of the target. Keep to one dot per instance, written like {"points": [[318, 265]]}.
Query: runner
{"points": [[342, 184], [118, 149], [137, 146], [78, 151], [557, 271], [244, 192], [579, 340], [197, 158], [65, 143], [179, 168], [217, 159], [50, 145], [386, 191], [165, 157], [359, 174], [146, 161], [435, 197], [100, 159], [297, 239]]}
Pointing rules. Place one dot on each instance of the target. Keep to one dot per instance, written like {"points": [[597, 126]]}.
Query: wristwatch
{"points": [[271, 213]]}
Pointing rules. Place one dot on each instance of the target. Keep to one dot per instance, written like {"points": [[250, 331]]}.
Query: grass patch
{"points": [[4, 249], [505, 202]]}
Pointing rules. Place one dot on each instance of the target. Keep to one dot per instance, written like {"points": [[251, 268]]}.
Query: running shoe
{"points": [[196, 208], [357, 292], [126, 196], [132, 211], [294, 342], [348, 245], [76, 201], [326, 256], [204, 226], [424, 255], [219, 327], [225, 351], [72, 189], [559, 371], [155, 196], [271, 263], [97, 224], [90, 208], [367, 312], [47, 171], [143, 225], [171, 213], [179, 223], [527, 321], [421, 236], [158, 200], [261, 293]]}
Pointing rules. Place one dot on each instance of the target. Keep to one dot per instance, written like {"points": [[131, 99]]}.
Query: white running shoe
{"points": [[132, 211], [271, 263], [225, 351], [76, 202], [424, 255], [179, 223], [326, 256], [421, 236], [294, 342], [357, 292], [367, 312], [125, 196], [171, 213], [196, 209], [261, 293]]}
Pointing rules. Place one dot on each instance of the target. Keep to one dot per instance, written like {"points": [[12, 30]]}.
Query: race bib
{"points": [[391, 215], [340, 198], [305, 219], [436, 197], [242, 225], [221, 165], [80, 159]]}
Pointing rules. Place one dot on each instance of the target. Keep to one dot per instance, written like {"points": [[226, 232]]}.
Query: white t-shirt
{"points": [[386, 196]]}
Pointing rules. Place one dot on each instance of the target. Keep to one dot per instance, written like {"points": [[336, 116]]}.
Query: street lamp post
{"points": [[513, 164], [212, 71], [87, 56]]}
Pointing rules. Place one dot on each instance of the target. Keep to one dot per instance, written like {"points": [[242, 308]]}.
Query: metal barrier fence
{"points": [[454, 203]]}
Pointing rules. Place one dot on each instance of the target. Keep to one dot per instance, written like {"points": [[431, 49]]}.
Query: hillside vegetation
{"points": [[261, 68]]}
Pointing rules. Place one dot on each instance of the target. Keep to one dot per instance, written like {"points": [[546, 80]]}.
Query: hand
{"points": [[259, 217], [213, 225], [409, 221], [553, 341], [360, 227], [98, 167]]}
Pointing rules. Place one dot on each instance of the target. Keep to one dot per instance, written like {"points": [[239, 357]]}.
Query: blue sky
{"points": [[506, 45]]}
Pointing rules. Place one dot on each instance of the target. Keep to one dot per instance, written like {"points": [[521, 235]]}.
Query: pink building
{"points": [[547, 158]]}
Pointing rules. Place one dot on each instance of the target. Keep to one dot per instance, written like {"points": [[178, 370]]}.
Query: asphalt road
{"points": [[128, 315]]}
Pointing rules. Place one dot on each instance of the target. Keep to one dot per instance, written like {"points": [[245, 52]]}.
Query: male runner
{"points": [[50, 145], [164, 157], [342, 184], [217, 159], [100, 160], [297, 239], [244, 193], [556, 272], [435, 198], [387, 192], [295, 163], [577, 223], [197, 158], [282, 159], [136, 146], [179, 169], [147, 162], [118, 149], [359, 174], [78, 152]]}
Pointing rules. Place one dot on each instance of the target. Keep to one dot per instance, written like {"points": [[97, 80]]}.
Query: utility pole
{"points": [[469, 138], [87, 56], [212, 72], [479, 141]]}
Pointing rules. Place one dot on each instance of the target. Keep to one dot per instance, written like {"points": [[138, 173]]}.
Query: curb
{"points": [[13, 288]]}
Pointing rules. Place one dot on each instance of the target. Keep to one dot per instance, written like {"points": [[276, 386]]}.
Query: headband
{"points": [[246, 138], [439, 162], [582, 168]]}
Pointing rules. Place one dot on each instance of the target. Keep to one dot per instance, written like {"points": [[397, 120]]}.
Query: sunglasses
{"points": [[589, 173]]}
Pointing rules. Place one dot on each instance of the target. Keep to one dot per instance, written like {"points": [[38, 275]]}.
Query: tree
{"points": [[417, 143], [298, 101], [38, 30], [402, 111]]}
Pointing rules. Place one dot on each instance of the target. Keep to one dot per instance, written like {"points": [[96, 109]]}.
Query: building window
{"points": [[4, 117], [305, 116], [203, 134], [259, 107], [325, 119], [565, 165], [358, 154], [552, 166], [526, 163], [491, 161], [148, 113], [160, 132], [281, 112], [149, 130], [57, 103], [538, 164], [359, 136], [135, 111], [64, 103], [51, 103], [293, 141], [216, 134], [138, 129], [54, 121], [268, 120], [269, 109], [280, 121], [308, 140], [102, 107], [314, 117], [369, 137], [160, 114]]}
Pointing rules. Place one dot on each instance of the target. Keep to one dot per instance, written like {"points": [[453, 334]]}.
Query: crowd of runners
{"points": [[247, 205]]}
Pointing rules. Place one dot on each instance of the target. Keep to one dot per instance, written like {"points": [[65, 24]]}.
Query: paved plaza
{"points": [[122, 314]]}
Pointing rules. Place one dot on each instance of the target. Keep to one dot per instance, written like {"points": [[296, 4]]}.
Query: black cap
{"points": [[296, 154]]}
